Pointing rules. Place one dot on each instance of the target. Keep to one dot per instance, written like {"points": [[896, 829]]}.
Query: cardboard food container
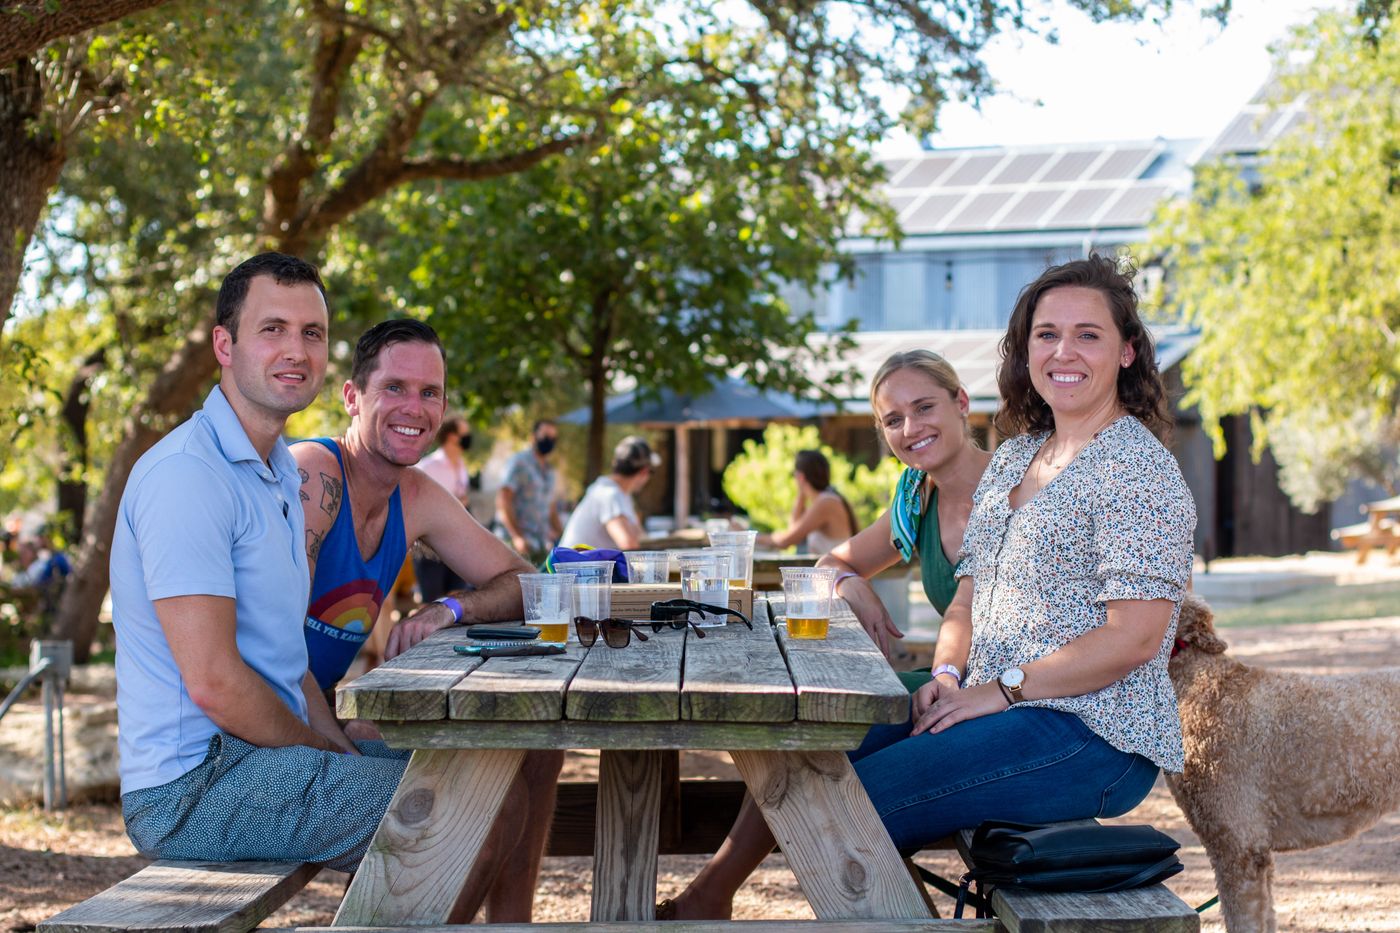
{"points": [[633, 600]]}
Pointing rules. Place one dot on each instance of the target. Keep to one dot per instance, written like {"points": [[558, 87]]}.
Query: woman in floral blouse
{"points": [[1074, 564]]}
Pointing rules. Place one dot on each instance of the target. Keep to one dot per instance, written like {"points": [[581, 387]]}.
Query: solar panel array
{"points": [[1007, 189]]}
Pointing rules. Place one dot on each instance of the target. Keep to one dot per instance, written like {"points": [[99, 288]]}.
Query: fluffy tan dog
{"points": [[1276, 761]]}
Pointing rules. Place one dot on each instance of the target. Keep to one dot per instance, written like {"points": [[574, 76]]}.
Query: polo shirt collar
{"points": [[234, 442]]}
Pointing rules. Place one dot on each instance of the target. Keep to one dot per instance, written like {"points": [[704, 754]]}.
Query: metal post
{"points": [[59, 655], [50, 797]]}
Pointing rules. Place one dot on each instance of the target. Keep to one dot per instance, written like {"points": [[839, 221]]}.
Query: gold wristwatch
{"points": [[1011, 681]]}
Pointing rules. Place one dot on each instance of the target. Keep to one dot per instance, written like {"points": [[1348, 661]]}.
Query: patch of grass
{"points": [[1317, 604]]}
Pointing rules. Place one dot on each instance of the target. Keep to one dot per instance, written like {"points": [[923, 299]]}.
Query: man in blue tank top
{"points": [[364, 504]]}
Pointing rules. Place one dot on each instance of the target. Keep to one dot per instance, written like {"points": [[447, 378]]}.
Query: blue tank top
{"points": [[347, 590]]}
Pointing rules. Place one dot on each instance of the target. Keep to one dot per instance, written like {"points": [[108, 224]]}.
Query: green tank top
{"points": [[939, 583]]}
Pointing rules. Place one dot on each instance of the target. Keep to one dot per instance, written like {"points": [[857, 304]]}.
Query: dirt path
{"points": [[47, 863]]}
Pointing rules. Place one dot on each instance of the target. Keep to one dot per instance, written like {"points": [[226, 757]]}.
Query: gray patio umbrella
{"points": [[730, 402]]}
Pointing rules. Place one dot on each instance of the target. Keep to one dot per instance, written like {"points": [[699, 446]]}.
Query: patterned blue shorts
{"points": [[246, 803]]}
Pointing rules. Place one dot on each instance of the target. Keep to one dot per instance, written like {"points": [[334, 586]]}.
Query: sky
{"points": [[1184, 79]]}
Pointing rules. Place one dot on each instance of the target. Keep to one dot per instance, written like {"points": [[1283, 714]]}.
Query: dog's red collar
{"points": [[1178, 645]]}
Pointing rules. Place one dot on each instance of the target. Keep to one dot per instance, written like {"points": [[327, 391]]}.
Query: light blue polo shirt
{"points": [[203, 515]]}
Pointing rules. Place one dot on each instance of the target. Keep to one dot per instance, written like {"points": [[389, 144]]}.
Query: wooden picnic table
{"points": [[785, 710]]}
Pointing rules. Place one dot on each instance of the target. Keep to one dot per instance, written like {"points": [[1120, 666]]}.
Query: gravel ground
{"points": [[48, 862]]}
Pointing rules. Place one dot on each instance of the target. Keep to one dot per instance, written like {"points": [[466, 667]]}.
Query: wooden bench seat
{"points": [[187, 897], [1150, 909], [691, 926]]}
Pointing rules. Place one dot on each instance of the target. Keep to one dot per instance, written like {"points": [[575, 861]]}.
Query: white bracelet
{"points": [[839, 577]]}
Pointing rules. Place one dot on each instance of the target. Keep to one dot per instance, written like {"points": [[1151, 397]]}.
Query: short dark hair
{"points": [[633, 455], [284, 270], [386, 333], [1140, 388], [452, 426], [534, 428]]}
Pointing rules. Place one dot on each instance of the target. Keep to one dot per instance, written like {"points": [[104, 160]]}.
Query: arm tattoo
{"points": [[330, 494], [313, 544], [305, 478]]}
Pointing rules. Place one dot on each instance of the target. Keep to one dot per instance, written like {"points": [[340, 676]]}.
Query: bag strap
{"points": [[1165, 868]]}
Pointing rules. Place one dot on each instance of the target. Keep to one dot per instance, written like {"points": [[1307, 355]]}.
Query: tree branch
{"points": [[28, 25], [336, 51]]}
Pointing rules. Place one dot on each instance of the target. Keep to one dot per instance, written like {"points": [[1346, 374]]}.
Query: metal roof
{"points": [[1002, 189], [1268, 115]]}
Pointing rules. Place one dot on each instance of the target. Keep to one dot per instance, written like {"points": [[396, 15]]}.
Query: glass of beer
{"points": [[549, 604], [807, 594], [705, 579], [742, 542]]}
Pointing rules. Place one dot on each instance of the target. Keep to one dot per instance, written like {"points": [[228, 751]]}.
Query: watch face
{"points": [[1013, 677]]}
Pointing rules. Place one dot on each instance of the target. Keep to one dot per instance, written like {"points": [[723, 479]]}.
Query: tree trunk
{"points": [[31, 156], [171, 399], [597, 423], [72, 480]]}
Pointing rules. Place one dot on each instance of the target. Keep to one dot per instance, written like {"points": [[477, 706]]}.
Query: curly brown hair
{"points": [[1140, 388]]}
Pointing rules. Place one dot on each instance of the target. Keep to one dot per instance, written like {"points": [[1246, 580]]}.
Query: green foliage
{"points": [[1294, 280], [759, 480]]}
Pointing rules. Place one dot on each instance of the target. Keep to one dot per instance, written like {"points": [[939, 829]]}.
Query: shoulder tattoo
{"points": [[330, 494], [305, 478]]}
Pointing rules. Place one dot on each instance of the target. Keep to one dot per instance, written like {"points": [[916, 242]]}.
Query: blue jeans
{"points": [[1027, 764]]}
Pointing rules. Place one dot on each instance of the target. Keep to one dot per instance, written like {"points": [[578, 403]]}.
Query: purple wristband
{"points": [[451, 603], [948, 669], [842, 576]]}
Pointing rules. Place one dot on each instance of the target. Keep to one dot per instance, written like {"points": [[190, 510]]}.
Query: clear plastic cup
{"points": [[592, 586], [549, 604], [807, 596], [648, 566], [678, 555], [705, 579], [741, 574]]}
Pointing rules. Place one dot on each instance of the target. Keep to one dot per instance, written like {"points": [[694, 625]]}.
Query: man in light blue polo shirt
{"points": [[228, 750]]}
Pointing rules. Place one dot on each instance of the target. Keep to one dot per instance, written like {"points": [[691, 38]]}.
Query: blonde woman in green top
{"points": [[920, 410]]}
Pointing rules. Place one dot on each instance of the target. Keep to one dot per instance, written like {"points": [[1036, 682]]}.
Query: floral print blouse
{"points": [[1116, 523]]}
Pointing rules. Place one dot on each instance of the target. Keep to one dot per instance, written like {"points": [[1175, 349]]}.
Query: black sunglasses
{"points": [[617, 633], [668, 610]]}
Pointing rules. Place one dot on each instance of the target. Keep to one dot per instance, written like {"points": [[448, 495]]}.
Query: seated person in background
{"points": [[362, 496], [448, 467], [606, 517], [821, 516]]}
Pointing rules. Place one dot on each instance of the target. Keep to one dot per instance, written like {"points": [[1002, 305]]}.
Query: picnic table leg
{"points": [[624, 846], [833, 839], [430, 837]]}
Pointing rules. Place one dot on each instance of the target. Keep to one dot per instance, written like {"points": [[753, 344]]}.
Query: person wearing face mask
{"points": [[525, 503], [448, 466]]}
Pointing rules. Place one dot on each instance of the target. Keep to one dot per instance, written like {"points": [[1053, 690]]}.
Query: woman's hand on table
{"points": [[937, 705], [870, 612]]}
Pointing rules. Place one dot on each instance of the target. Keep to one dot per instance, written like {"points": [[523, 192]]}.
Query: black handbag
{"points": [[1082, 856]]}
